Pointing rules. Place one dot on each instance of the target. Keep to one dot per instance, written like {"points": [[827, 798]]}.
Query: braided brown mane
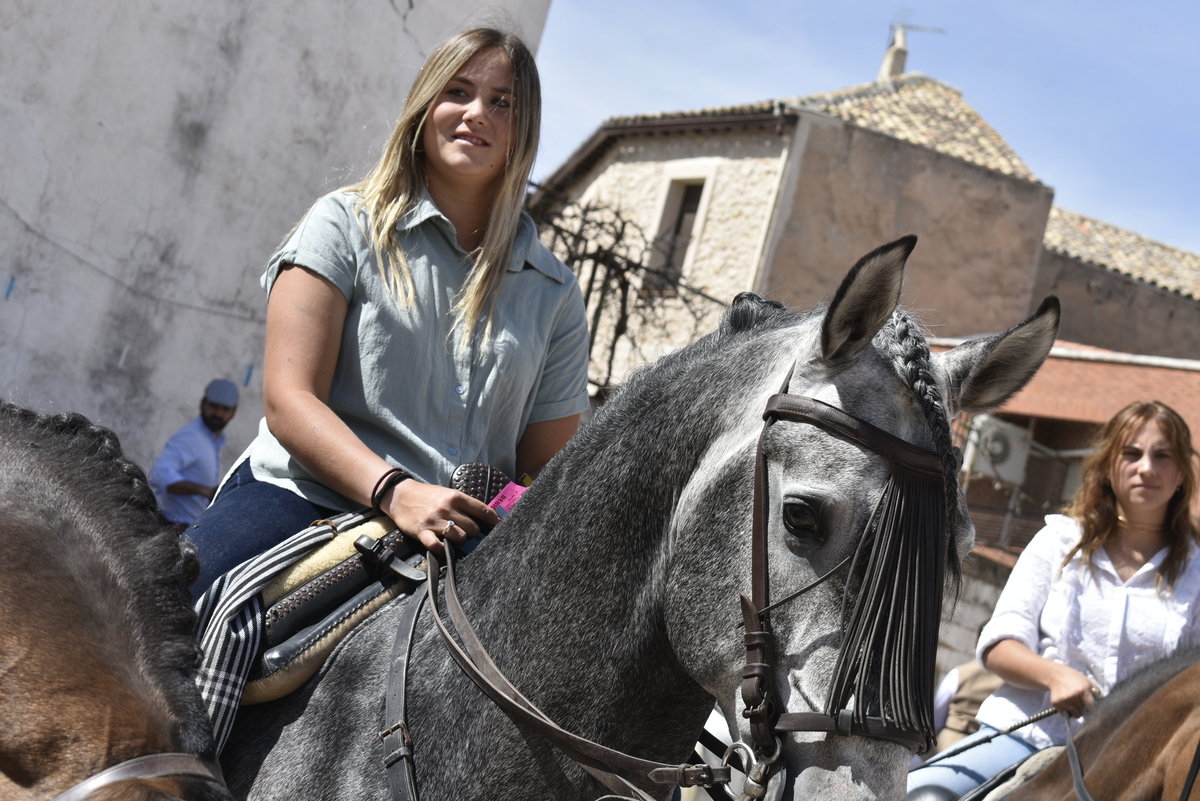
{"points": [[91, 567]]}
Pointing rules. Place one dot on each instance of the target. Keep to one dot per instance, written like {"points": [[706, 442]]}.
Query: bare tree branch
{"points": [[627, 285]]}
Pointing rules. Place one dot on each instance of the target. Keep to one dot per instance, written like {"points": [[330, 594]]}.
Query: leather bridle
{"points": [[759, 692], [151, 766]]}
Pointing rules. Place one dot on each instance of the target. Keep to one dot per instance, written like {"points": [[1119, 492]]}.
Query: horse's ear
{"points": [[864, 301], [984, 373]]}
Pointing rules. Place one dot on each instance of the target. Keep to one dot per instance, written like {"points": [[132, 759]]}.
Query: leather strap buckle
{"points": [[398, 726], [705, 775]]}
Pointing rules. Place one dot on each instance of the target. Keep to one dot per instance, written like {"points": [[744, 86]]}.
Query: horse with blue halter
{"points": [[97, 659], [679, 550]]}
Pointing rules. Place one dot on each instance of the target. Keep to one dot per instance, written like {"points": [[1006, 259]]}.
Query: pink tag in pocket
{"points": [[507, 498]]}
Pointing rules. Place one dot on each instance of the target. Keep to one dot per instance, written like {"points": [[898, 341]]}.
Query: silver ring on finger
{"points": [[449, 525]]}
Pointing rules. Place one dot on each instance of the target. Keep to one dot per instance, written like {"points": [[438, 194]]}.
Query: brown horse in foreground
{"points": [[96, 650], [1137, 744]]}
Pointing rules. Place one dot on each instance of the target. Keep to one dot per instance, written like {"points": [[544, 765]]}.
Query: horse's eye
{"points": [[800, 519]]}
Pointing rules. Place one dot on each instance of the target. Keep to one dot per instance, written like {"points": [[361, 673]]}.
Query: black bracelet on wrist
{"points": [[388, 480]]}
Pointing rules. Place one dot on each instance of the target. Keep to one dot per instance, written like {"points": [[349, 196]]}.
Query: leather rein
{"points": [[609, 766], [151, 766]]}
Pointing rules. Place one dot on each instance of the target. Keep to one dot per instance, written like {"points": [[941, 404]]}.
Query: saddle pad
{"points": [[324, 558], [229, 622], [315, 599], [332, 578], [298, 592]]}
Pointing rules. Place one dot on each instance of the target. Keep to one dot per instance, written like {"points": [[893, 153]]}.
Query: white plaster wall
{"points": [[742, 169], [152, 154]]}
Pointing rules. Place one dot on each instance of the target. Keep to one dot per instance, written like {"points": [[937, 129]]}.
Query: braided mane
{"points": [[67, 482], [913, 362]]}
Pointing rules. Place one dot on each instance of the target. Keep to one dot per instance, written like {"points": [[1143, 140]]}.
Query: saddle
{"points": [[312, 605]]}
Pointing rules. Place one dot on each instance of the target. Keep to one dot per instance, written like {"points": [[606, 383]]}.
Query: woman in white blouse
{"points": [[1097, 595]]}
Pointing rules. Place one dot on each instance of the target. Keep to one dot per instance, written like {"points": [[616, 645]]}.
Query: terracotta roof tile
{"points": [[1088, 384], [924, 111], [1093, 391], [913, 107], [1122, 251], [761, 107]]}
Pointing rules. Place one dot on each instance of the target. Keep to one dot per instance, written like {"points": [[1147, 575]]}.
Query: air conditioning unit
{"points": [[998, 449]]}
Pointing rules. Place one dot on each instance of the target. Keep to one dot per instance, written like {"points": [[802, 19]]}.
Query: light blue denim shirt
{"points": [[193, 453], [402, 383]]}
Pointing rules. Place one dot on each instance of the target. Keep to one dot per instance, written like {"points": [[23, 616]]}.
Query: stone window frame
{"points": [[676, 177]]}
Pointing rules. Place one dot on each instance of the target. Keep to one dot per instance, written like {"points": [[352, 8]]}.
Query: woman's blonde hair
{"points": [[394, 186], [1094, 506]]}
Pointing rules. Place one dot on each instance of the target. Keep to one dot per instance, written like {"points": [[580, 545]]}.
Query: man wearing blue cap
{"points": [[186, 474]]}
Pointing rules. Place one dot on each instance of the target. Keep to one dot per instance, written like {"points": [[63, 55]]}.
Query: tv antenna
{"points": [[897, 52], [900, 24]]}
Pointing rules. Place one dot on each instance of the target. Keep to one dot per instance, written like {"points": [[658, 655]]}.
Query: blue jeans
{"points": [[245, 519], [964, 772]]}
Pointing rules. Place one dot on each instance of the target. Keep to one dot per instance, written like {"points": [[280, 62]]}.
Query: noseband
{"points": [[886, 662]]}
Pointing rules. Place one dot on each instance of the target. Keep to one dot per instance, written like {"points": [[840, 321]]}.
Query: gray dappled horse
{"points": [[610, 595]]}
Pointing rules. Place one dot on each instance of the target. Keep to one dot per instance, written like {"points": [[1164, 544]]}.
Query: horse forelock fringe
{"points": [[103, 500], [887, 660]]}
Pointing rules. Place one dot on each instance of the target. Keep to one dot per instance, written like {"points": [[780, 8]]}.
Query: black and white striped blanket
{"points": [[231, 619]]}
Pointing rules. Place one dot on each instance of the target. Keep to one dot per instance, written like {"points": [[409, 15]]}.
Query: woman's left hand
{"points": [[431, 513]]}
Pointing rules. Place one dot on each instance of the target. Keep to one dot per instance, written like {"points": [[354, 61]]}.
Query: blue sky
{"points": [[1100, 99]]}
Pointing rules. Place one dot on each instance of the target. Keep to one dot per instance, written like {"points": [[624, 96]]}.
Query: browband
{"points": [[810, 410]]}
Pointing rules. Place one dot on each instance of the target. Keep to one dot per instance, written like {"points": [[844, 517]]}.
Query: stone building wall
{"points": [[154, 154], [980, 231], [741, 170], [1114, 311]]}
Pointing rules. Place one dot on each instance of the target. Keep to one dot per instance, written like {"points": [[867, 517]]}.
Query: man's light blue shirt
{"points": [[402, 384], [191, 454]]}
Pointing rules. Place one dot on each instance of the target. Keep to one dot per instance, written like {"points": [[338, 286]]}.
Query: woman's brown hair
{"points": [[1094, 506]]}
